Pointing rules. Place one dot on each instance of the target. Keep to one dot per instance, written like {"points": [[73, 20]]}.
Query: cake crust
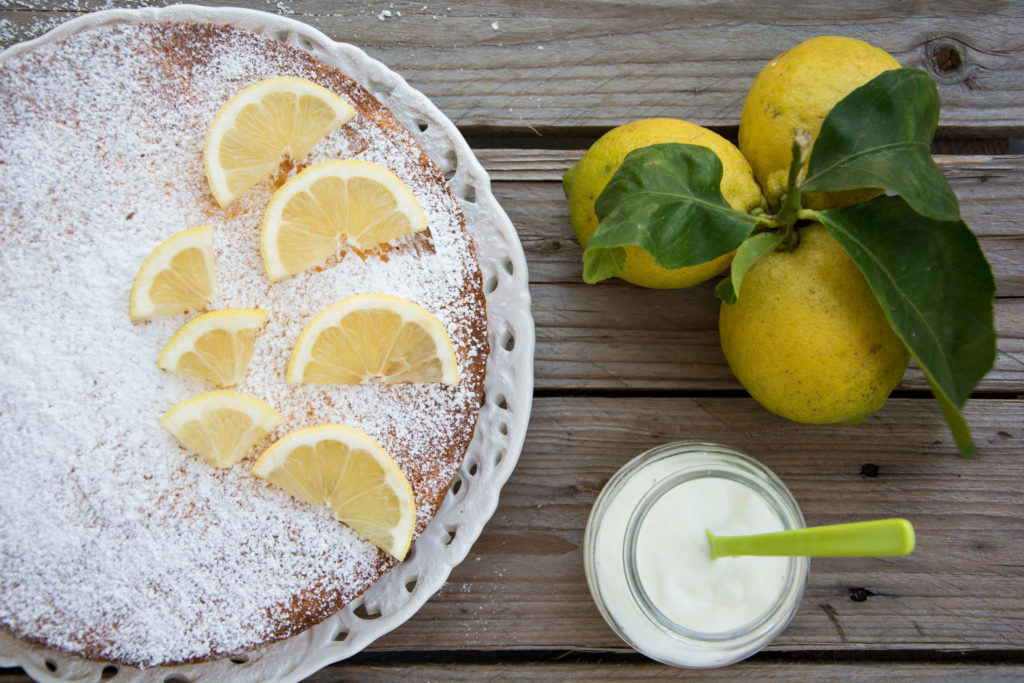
{"points": [[123, 547]]}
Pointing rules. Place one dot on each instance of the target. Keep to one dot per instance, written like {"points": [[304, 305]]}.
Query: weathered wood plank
{"points": [[990, 188], [575, 69], [565, 669], [522, 586], [558, 68], [528, 185], [617, 336]]}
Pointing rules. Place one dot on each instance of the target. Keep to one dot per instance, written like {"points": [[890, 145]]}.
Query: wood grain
{"points": [[522, 586], [568, 667], [990, 188], [527, 182], [620, 369], [581, 66], [615, 336], [563, 668]]}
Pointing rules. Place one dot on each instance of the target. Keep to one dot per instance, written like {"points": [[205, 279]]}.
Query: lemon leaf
{"points": [[880, 136], [602, 263], [936, 289], [750, 252], [665, 199]]}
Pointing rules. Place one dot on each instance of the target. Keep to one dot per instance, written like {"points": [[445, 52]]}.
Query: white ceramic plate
{"points": [[503, 418]]}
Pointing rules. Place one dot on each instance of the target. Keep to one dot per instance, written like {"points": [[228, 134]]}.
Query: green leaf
{"points": [[665, 199], [601, 264], [750, 252], [936, 289], [880, 136], [956, 421], [725, 291]]}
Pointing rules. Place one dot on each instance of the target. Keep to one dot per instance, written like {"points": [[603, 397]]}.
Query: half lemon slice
{"points": [[221, 426], [177, 276], [217, 346], [261, 125], [351, 473], [373, 336], [312, 215]]}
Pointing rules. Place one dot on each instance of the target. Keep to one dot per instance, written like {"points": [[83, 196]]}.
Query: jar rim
{"points": [[693, 460], [630, 559]]}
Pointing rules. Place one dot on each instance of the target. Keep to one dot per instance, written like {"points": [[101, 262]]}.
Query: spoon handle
{"points": [[860, 539]]}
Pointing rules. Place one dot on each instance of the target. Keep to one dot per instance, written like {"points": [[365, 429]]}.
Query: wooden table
{"points": [[620, 369]]}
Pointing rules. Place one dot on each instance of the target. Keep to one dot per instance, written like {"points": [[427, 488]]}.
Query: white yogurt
{"points": [[648, 561], [673, 556]]}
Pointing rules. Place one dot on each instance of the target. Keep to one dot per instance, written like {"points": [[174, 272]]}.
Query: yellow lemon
{"points": [[262, 124], [584, 182], [344, 468], [221, 426], [807, 337], [794, 92], [369, 336], [331, 204], [217, 346], [177, 277]]}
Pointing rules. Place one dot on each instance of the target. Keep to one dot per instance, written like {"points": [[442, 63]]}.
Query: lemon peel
{"points": [[793, 93], [808, 339], [584, 182]]}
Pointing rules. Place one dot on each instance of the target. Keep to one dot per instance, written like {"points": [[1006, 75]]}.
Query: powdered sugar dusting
{"points": [[118, 544]]}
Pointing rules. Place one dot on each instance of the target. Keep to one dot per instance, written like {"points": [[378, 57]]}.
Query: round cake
{"points": [[119, 545]]}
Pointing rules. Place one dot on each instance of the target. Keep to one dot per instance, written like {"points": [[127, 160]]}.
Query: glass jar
{"points": [[614, 572]]}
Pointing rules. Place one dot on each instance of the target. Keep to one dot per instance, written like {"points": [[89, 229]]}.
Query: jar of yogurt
{"points": [[648, 559]]}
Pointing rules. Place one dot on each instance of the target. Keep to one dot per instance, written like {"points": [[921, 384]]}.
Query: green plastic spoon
{"points": [[877, 538]]}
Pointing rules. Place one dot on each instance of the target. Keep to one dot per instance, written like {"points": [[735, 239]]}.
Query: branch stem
{"points": [[791, 207]]}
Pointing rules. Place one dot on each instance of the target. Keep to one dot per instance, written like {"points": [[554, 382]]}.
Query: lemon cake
{"points": [[119, 544]]}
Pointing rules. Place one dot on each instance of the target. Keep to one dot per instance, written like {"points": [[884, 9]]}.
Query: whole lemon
{"points": [[794, 92], [584, 182], [807, 338]]}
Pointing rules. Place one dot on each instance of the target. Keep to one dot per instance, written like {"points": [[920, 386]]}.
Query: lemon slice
{"points": [[262, 124], [216, 346], [177, 277], [221, 426], [312, 215], [373, 336], [349, 471]]}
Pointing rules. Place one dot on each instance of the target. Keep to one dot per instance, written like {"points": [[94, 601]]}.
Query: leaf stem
{"points": [[791, 207]]}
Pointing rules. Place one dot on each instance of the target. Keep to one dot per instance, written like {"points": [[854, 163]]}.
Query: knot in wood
{"points": [[859, 594], [947, 59]]}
